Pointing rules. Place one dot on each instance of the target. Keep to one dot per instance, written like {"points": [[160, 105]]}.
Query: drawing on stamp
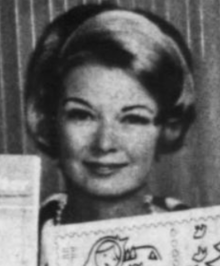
{"points": [[69, 253], [217, 246], [112, 251], [200, 255], [107, 251], [216, 260], [200, 231]]}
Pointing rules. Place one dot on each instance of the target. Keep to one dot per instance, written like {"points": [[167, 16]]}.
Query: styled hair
{"points": [[142, 44]]}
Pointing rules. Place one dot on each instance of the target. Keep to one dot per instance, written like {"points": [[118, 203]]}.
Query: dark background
{"points": [[192, 174]]}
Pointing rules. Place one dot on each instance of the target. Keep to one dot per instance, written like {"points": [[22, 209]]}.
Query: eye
{"points": [[136, 119], [79, 115]]}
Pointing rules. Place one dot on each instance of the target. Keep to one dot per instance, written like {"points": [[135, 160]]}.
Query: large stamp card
{"points": [[186, 238], [19, 207]]}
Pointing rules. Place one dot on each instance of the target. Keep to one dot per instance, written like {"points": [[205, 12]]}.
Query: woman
{"points": [[108, 92]]}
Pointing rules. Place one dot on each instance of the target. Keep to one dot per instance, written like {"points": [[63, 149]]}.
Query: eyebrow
{"points": [[138, 106], [77, 100], [124, 109]]}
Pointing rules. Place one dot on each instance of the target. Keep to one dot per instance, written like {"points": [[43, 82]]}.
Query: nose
{"points": [[105, 139]]}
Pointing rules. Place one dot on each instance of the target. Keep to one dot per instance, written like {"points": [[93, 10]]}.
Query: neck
{"points": [[82, 207]]}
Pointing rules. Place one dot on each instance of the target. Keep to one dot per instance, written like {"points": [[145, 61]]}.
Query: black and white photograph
{"points": [[109, 133]]}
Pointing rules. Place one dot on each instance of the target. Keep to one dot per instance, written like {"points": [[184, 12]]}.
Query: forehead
{"points": [[102, 85]]}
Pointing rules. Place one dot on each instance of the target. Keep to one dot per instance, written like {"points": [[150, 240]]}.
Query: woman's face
{"points": [[107, 131]]}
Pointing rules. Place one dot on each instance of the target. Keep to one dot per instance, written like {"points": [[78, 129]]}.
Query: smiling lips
{"points": [[104, 169]]}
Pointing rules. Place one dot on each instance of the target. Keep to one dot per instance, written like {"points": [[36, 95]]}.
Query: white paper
{"points": [[19, 207], [186, 238]]}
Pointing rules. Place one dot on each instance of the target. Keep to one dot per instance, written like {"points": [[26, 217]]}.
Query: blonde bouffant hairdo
{"points": [[140, 43]]}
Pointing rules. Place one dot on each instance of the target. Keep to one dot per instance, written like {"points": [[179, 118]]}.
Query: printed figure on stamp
{"points": [[108, 250], [112, 251]]}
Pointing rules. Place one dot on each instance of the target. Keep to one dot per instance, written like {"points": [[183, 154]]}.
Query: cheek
{"points": [[142, 144], [74, 140]]}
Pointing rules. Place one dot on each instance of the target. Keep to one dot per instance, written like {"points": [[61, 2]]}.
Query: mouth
{"points": [[104, 169]]}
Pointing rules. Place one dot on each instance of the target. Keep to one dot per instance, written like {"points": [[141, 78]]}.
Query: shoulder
{"points": [[47, 218], [164, 204], [50, 207]]}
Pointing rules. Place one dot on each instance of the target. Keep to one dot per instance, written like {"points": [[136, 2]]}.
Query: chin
{"points": [[113, 193]]}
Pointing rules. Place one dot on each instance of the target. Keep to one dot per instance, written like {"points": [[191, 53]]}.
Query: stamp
{"points": [[19, 207], [186, 238]]}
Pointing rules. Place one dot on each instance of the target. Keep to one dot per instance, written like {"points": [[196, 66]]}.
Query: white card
{"points": [[185, 238], [19, 208]]}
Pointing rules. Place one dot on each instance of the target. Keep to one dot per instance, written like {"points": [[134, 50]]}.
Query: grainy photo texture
{"points": [[115, 105]]}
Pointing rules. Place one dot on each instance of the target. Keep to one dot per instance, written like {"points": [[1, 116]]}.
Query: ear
{"points": [[171, 136], [42, 129], [36, 124], [172, 131]]}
